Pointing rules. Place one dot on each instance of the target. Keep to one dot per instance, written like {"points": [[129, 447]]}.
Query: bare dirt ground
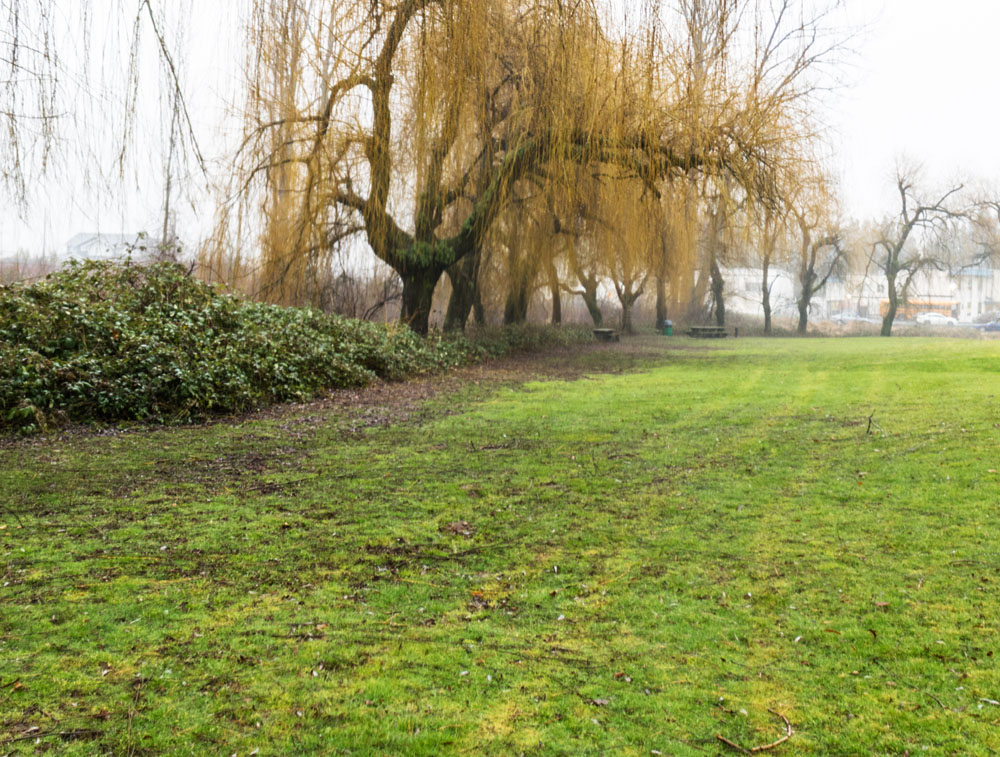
{"points": [[385, 403]]}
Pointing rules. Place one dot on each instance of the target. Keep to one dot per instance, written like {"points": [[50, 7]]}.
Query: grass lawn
{"points": [[621, 563]]}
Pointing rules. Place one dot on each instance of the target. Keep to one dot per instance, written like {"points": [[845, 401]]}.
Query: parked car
{"points": [[843, 319], [992, 326], [936, 319]]}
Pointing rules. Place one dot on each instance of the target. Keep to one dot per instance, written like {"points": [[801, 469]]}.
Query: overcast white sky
{"points": [[925, 87], [922, 83]]}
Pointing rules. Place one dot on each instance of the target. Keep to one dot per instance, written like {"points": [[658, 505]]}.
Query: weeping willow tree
{"points": [[411, 128], [30, 84], [87, 115], [428, 111]]}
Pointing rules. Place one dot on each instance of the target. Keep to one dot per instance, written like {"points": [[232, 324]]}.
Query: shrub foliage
{"points": [[102, 341]]}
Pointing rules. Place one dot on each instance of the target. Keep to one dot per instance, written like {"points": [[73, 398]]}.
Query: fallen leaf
{"points": [[459, 528]]}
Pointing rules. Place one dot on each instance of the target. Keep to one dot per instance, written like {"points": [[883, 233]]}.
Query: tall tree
{"points": [[821, 252], [402, 104], [769, 235], [895, 251]]}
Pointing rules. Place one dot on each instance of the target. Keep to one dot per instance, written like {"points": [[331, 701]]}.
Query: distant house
{"points": [[743, 290], [977, 291], [94, 246]]}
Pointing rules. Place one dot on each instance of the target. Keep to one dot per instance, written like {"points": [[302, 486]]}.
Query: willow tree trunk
{"points": [[589, 295], [478, 309], [661, 302], [464, 279], [696, 303], [628, 301], [418, 297], [808, 277], [718, 294], [765, 299], [767, 311], [554, 293], [515, 308]]}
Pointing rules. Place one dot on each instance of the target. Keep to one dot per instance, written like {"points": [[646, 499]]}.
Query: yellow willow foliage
{"points": [[679, 244], [417, 129]]}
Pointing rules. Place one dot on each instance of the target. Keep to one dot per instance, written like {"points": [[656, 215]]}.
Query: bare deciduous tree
{"points": [[819, 256], [895, 252]]}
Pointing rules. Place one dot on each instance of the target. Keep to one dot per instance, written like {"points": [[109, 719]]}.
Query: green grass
{"points": [[653, 558]]}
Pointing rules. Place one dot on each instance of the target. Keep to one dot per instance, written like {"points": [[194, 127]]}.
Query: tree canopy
{"points": [[413, 126]]}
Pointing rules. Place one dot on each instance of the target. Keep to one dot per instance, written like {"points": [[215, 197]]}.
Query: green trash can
{"points": [[668, 328]]}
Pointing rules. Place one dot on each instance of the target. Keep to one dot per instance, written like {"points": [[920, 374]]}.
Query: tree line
{"points": [[507, 146], [536, 140]]}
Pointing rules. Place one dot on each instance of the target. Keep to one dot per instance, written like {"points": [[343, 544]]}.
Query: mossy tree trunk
{"points": [[418, 296], [464, 278]]}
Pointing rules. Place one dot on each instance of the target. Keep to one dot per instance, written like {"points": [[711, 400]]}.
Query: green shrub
{"points": [[101, 341]]}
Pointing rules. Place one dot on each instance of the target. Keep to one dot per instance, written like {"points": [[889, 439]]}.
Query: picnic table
{"points": [[606, 335], [707, 332]]}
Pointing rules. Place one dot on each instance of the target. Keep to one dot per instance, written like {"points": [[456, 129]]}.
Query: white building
{"points": [[976, 292], [743, 291], [94, 246], [969, 294]]}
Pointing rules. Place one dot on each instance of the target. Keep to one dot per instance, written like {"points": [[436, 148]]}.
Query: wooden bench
{"points": [[707, 332], [606, 335]]}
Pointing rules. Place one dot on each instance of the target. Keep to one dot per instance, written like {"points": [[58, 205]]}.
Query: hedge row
{"points": [[101, 341]]}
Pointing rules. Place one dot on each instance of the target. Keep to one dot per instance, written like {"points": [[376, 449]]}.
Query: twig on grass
{"points": [[872, 422], [20, 523], [729, 743], [763, 747], [76, 733]]}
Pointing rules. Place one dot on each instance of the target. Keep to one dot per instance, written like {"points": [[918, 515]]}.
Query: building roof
{"points": [[87, 244]]}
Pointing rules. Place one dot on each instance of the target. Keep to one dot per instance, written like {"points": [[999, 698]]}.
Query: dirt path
{"points": [[387, 403]]}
